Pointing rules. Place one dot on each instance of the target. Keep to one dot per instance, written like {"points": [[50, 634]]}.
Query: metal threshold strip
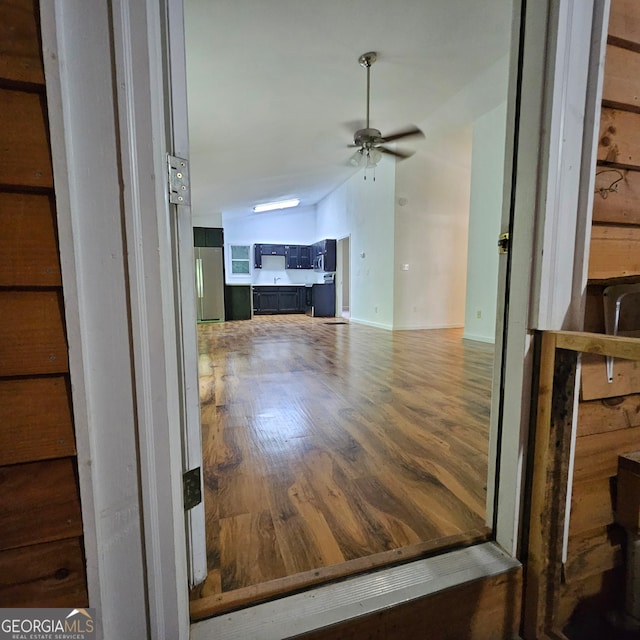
{"points": [[355, 597]]}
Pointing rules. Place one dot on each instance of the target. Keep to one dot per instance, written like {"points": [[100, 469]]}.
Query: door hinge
{"points": [[191, 488], [179, 187], [503, 243]]}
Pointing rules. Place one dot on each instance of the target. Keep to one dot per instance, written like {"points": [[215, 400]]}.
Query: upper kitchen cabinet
{"points": [[271, 249], [298, 256], [324, 255], [207, 237], [266, 250], [320, 256]]}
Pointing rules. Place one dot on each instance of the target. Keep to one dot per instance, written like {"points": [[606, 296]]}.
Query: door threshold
{"points": [[357, 596]]}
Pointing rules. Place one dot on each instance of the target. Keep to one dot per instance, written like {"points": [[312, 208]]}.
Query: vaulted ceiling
{"points": [[275, 89]]}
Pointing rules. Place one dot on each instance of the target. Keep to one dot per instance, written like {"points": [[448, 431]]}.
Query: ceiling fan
{"points": [[370, 142]]}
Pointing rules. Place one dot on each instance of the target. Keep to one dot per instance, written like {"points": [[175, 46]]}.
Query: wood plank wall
{"points": [[608, 413], [41, 555]]}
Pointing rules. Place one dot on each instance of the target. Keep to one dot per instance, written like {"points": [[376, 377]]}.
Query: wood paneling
{"points": [[19, 42], [597, 455], [28, 244], [624, 23], [620, 207], [594, 552], [40, 503], [41, 558], [622, 78], [32, 336], [487, 609], [615, 251], [591, 504], [35, 420], [24, 146], [609, 414], [44, 575], [327, 444], [594, 383], [619, 142]]}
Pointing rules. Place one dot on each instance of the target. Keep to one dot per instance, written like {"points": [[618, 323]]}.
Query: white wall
{"points": [[363, 209], [431, 218], [211, 220], [484, 224], [289, 226], [432, 231]]}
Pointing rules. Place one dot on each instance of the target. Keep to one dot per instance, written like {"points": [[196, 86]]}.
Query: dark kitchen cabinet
{"points": [[298, 256], [267, 299], [237, 302], [292, 256], [272, 249], [329, 255], [323, 300], [320, 256], [288, 300], [208, 237], [324, 255], [260, 250], [305, 260]]}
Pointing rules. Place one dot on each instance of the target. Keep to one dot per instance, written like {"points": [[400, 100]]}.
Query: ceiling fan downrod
{"points": [[366, 60]]}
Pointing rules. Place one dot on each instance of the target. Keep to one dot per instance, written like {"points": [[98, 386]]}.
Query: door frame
{"points": [[118, 241], [340, 262]]}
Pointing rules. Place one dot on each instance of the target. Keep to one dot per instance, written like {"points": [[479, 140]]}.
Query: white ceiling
{"points": [[275, 89]]}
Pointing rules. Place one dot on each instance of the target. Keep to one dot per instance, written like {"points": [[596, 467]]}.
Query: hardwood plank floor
{"points": [[331, 448]]}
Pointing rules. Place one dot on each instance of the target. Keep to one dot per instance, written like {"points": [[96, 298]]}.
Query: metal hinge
{"points": [[503, 243], [179, 187], [191, 488]]}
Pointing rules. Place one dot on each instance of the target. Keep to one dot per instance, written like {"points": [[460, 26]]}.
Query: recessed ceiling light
{"points": [[272, 206]]}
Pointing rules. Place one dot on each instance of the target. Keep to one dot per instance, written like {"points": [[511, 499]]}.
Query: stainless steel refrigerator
{"points": [[209, 283]]}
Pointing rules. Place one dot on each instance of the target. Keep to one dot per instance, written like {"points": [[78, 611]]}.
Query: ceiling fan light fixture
{"points": [[275, 206], [373, 157], [357, 159]]}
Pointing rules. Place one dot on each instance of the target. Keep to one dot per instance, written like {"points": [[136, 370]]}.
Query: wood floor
{"points": [[330, 448]]}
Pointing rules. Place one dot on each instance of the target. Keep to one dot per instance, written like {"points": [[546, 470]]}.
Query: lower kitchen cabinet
{"points": [[267, 299], [288, 301], [237, 302]]}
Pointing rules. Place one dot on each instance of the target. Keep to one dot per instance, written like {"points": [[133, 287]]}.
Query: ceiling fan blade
{"points": [[405, 133], [401, 155]]}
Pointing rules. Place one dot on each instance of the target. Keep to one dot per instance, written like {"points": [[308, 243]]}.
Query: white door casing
{"points": [[184, 283]]}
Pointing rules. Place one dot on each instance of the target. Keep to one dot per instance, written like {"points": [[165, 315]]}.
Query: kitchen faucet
{"points": [[275, 280]]}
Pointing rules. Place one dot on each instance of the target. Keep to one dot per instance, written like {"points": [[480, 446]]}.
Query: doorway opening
{"points": [[343, 277], [338, 444]]}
